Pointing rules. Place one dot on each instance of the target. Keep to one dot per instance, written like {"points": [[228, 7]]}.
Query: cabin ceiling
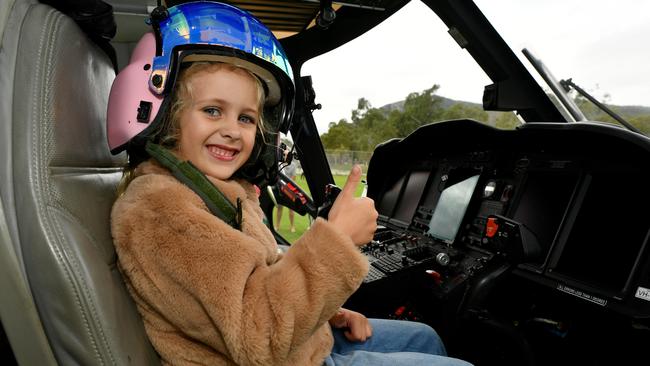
{"points": [[283, 17]]}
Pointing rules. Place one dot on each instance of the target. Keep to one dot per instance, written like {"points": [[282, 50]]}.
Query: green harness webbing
{"points": [[192, 177]]}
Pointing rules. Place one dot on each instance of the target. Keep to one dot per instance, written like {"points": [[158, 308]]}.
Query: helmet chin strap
{"points": [[193, 178]]}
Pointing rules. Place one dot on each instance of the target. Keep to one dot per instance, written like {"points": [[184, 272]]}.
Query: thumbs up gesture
{"points": [[354, 216]]}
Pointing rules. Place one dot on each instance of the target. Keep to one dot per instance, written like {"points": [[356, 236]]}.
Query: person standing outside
{"points": [[290, 171]]}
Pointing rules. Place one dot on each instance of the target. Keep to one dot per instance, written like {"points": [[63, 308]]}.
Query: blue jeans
{"points": [[393, 343]]}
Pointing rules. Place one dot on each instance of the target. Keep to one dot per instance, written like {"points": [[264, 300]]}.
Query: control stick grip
{"points": [[331, 192]]}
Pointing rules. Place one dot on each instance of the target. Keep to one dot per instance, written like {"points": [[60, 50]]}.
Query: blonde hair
{"points": [[168, 131]]}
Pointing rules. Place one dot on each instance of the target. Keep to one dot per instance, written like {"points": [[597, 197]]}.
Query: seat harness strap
{"points": [[192, 177]]}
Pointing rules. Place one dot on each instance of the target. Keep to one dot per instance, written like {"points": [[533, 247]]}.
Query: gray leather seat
{"points": [[63, 300]]}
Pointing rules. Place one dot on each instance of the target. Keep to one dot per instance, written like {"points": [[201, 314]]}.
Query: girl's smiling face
{"points": [[219, 122]]}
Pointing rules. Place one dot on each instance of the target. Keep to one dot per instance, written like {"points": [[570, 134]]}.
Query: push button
{"points": [[491, 227]]}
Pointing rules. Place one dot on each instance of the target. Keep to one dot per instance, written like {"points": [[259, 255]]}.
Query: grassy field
{"points": [[301, 223]]}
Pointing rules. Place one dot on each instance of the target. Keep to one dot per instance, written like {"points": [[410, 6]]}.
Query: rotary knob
{"points": [[442, 259]]}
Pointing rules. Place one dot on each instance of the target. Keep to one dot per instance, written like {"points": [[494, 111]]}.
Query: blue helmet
{"points": [[206, 30]]}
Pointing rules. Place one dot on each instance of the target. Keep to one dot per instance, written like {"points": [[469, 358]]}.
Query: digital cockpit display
{"points": [[450, 210]]}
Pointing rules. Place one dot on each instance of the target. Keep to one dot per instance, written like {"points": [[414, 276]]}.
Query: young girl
{"points": [[213, 291]]}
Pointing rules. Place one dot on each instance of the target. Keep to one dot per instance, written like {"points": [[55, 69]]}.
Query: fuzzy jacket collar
{"points": [[232, 189]]}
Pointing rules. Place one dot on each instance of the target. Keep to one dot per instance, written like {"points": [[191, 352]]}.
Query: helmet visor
{"points": [[216, 25]]}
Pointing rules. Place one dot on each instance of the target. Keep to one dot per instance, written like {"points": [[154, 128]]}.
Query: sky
{"points": [[603, 45]]}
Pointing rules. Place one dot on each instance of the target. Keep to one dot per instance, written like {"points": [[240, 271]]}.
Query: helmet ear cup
{"points": [[132, 107]]}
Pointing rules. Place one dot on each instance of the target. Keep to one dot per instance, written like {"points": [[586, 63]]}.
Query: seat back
{"points": [[64, 301]]}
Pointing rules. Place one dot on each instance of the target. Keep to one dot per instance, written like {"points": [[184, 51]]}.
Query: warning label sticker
{"points": [[643, 293], [582, 295]]}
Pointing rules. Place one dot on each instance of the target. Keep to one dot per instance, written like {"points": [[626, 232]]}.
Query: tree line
{"points": [[370, 126], [593, 113]]}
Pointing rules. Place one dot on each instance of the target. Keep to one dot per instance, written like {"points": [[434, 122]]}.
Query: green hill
{"points": [[625, 110]]}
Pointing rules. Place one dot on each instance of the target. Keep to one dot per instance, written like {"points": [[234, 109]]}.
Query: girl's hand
{"points": [[359, 328], [355, 216]]}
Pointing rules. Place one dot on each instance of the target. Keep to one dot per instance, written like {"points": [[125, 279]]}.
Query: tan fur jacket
{"points": [[212, 295]]}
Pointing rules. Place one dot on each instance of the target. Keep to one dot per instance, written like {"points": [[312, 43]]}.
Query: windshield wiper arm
{"points": [[568, 84]]}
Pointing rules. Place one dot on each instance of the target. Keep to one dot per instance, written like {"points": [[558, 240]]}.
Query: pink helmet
{"points": [[199, 31], [132, 104]]}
